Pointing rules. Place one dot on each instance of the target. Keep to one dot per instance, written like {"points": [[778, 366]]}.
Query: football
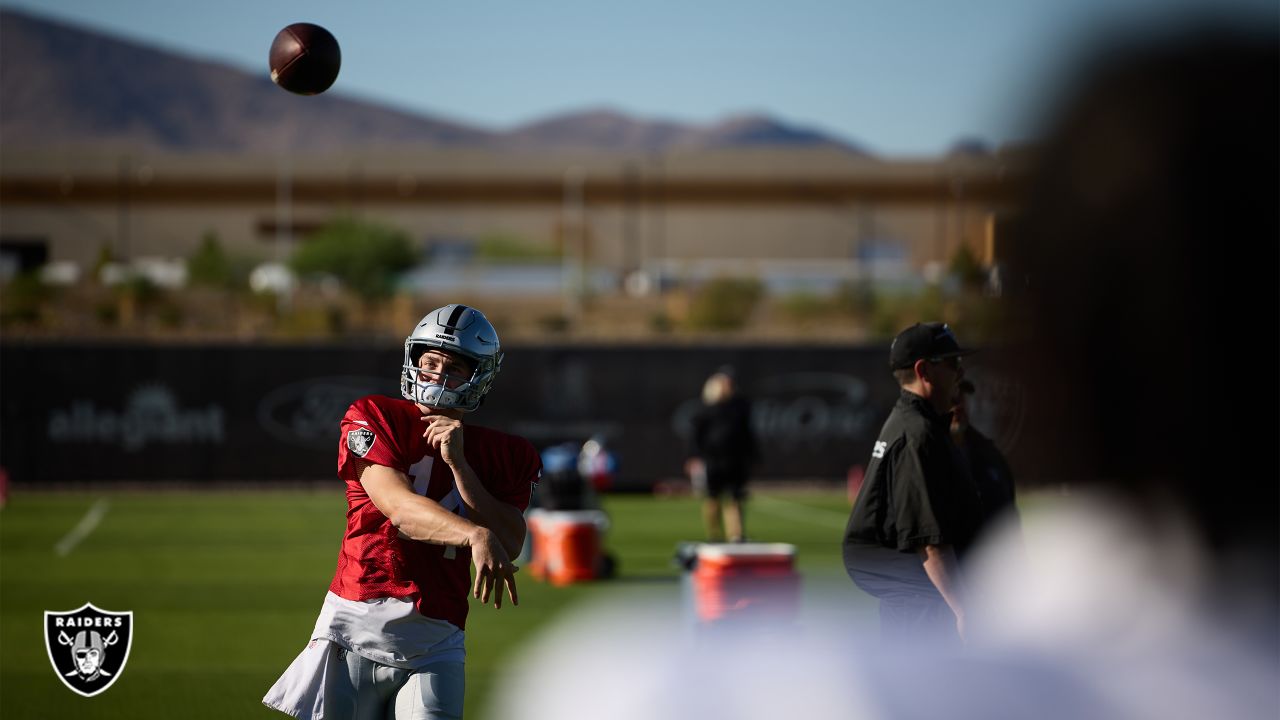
{"points": [[305, 59]]}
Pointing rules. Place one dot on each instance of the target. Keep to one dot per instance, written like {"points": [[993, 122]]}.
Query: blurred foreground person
{"points": [[427, 499], [918, 510], [1143, 265], [987, 465], [723, 448]]}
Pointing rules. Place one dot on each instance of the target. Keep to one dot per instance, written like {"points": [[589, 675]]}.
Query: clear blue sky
{"points": [[903, 77]]}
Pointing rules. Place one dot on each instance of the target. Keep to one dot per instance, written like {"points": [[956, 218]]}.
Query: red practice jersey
{"points": [[374, 561]]}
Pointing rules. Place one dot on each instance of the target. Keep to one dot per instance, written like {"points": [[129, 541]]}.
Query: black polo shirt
{"points": [[917, 491], [991, 474]]}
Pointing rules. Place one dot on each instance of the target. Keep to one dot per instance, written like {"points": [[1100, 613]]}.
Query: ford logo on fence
{"points": [[308, 412], [799, 410]]}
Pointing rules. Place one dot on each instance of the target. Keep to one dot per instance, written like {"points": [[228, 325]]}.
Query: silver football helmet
{"points": [[460, 330]]}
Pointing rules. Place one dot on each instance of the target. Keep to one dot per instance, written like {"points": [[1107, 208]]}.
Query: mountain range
{"points": [[63, 85]]}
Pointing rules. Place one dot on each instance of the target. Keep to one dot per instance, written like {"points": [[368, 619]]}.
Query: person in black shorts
{"points": [[918, 510], [723, 447]]}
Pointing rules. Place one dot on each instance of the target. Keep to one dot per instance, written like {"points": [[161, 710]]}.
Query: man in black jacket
{"points": [[918, 510], [723, 446]]}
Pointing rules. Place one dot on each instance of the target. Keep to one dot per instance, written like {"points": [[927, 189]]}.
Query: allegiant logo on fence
{"points": [[151, 415]]}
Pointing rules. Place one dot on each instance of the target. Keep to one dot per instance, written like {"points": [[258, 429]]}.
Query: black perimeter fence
{"points": [[88, 413]]}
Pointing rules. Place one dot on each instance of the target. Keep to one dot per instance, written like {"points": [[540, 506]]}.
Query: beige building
{"points": [[801, 212]]}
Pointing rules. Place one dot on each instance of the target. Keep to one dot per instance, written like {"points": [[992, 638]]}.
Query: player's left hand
{"points": [[445, 435]]}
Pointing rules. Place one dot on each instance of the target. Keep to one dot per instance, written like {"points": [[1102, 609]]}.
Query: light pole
{"points": [[284, 220], [573, 238]]}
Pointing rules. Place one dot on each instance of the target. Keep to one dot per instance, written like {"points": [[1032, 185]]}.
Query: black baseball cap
{"points": [[924, 341]]}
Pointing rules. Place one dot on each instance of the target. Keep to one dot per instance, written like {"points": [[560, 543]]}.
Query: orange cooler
{"points": [[745, 579], [566, 545]]}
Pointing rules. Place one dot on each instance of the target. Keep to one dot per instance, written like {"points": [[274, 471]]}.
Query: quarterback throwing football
{"points": [[428, 499]]}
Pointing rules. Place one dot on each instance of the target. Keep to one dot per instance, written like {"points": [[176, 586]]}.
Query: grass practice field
{"points": [[225, 587]]}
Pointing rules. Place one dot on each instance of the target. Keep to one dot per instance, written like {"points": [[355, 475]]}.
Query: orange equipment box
{"points": [[745, 579], [567, 545]]}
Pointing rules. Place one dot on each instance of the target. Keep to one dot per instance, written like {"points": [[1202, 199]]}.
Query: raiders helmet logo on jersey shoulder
{"points": [[360, 440]]}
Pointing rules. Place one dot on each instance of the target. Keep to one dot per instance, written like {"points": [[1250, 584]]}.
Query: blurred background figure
{"points": [[723, 448], [987, 465], [563, 486], [567, 525], [597, 464]]}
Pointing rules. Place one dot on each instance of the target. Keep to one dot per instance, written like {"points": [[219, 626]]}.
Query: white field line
{"points": [[798, 512], [82, 529]]}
